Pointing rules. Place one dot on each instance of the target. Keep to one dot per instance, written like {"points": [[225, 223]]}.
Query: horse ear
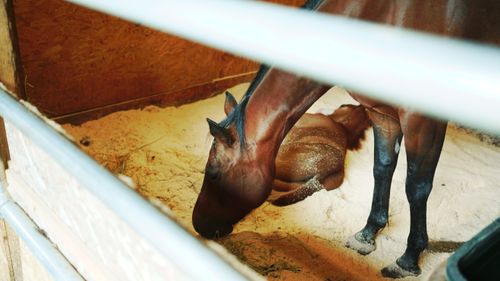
{"points": [[220, 133], [230, 103]]}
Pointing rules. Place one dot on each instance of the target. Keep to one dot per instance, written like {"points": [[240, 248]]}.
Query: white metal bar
{"points": [[189, 254], [446, 78], [52, 260], [46, 253]]}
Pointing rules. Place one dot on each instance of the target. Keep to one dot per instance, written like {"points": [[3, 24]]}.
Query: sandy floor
{"points": [[164, 151]]}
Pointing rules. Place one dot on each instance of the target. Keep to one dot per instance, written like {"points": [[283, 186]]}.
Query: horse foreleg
{"points": [[387, 134], [423, 141]]}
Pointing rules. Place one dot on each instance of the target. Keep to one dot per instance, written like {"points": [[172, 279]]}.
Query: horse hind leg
{"points": [[334, 180], [287, 193], [387, 136], [423, 141], [297, 192]]}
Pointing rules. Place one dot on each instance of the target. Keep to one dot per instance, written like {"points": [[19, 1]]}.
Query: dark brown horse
{"points": [[241, 166]]}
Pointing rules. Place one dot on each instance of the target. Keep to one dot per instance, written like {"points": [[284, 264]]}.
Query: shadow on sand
{"points": [[281, 256]]}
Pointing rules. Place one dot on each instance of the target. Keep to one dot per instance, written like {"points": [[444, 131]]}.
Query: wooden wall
{"points": [[77, 60], [9, 64], [10, 70]]}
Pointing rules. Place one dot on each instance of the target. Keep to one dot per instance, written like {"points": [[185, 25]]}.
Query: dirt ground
{"points": [[164, 151]]}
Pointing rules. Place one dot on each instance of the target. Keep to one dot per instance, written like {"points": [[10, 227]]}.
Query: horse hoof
{"points": [[358, 243], [396, 271]]}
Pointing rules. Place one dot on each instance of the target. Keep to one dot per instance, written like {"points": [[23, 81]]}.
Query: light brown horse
{"points": [[241, 165], [312, 155]]}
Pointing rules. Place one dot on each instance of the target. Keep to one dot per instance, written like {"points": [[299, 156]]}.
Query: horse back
{"points": [[477, 20]]}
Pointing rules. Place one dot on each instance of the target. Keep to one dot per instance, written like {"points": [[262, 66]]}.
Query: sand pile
{"points": [[164, 151]]}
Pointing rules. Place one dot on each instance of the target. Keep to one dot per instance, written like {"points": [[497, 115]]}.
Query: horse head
{"points": [[235, 181]]}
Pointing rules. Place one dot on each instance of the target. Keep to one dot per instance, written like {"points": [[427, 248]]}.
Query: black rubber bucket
{"points": [[478, 258]]}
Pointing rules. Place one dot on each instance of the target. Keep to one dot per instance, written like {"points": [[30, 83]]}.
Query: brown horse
{"points": [[312, 155], [241, 166]]}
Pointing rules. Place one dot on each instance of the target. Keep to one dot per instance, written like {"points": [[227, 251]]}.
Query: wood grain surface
{"points": [[78, 60]]}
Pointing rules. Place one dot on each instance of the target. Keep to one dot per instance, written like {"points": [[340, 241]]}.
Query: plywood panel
{"points": [[174, 98], [10, 71], [76, 59], [8, 45]]}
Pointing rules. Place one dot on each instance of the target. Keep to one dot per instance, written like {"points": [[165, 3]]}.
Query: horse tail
{"points": [[296, 194], [356, 131], [355, 121]]}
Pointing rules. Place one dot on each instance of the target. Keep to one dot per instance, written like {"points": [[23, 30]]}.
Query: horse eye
{"points": [[213, 176], [212, 173]]}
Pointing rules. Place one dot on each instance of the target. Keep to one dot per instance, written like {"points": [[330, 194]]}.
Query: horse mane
{"points": [[237, 116], [312, 4]]}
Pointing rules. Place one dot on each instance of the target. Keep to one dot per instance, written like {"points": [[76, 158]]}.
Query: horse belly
{"points": [[301, 161]]}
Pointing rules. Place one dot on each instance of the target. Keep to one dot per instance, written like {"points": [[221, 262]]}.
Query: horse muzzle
{"points": [[211, 228]]}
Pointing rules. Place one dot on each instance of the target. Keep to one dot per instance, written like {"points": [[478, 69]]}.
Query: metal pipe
{"points": [[46, 253], [186, 252], [445, 78]]}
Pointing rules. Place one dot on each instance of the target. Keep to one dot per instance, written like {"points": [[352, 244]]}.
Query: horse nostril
{"points": [[222, 231], [212, 230], [207, 224]]}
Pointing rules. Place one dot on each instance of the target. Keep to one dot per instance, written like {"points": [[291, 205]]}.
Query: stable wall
{"points": [[80, 61]]}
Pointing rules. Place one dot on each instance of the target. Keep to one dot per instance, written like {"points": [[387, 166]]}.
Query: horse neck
{"points": [[275, 106]]}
